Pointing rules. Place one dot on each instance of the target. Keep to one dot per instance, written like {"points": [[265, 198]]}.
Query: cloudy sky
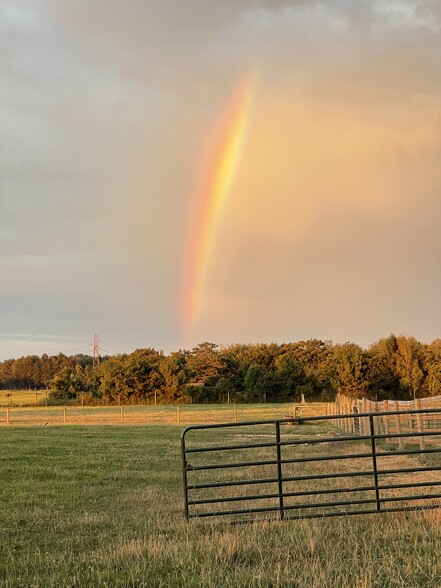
{"points": [[108, 111]]}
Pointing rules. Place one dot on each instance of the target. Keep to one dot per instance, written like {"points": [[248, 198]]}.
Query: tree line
{"points": [[396, 367]]}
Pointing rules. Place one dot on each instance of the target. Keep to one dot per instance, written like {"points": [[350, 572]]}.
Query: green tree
{"points": [[204, 365], [174, 377], [143, 374], [432, 367], [384, 381], [67, 384], [255, 384], [410, 361], [291, 378], [350, 370]]}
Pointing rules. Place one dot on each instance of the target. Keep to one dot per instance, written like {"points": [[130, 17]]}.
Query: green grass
{"points": [[101, 506]]}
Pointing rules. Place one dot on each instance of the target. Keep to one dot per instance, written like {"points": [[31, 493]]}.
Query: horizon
{"points": [[108, 352]]}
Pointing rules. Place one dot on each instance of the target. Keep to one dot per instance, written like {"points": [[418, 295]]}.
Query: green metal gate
{"points": [[308, 467]]}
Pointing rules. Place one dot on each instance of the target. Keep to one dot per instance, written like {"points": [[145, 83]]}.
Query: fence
{"points": [[395, 416], [149, 414], [255, 468], [187, 414]]}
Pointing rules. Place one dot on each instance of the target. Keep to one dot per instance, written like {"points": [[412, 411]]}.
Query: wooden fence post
{"points": [[333, 408], [349, 411], [344, 411], [64, 415], [7, 416], [411, 416], [351, 421], [386, 418], [419, 416], [178, 414], [363, 419], [401, 440]]}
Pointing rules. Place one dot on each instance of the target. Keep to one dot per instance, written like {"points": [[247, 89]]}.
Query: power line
{"points": [[74, 349], [110, 347]]}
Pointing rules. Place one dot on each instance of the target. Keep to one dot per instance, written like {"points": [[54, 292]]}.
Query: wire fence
{"points": [[149, 414], [189, 414]]}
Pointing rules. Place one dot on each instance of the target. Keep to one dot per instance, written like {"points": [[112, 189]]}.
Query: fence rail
{"points": [[261, 467], [150, 414], [393, 415]]}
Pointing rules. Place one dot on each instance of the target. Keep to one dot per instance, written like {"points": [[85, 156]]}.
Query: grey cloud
{"points": [[105, 111]]}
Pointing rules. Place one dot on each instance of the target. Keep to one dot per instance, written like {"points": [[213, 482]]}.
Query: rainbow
{"points": [[212, 198]]}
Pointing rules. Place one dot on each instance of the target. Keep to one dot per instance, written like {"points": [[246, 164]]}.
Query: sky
{"points": [[116, 123]]}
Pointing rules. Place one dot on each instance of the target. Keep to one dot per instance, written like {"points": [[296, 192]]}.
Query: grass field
{"points": [[101, 506], [142, 414], [22, 397]]}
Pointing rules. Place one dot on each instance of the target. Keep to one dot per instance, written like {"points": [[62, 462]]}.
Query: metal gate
{"points": [[309, 467]]}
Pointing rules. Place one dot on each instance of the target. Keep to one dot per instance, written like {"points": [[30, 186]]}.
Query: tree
{"points": [[110, 380], [174, 377], [224, 390], [291, 378], [410, 354], [255, 384], [130, 379], [143, 375], [204, 365], [432, 367], [350, 370], [67, 384], [384, 381]]}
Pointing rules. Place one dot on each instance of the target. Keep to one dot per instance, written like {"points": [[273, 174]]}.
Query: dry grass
{"points": [[102, 506], [163, 414], [21, 397], [356, 491]]}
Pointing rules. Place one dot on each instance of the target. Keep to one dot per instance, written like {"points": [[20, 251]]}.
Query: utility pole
{"points": [[96, 351]]}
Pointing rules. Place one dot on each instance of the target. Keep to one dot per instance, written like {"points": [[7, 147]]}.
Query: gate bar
{"points": [[318, 492], [290, 420], [302, 441], [313, 477], [279, 470], [374, 461]]}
